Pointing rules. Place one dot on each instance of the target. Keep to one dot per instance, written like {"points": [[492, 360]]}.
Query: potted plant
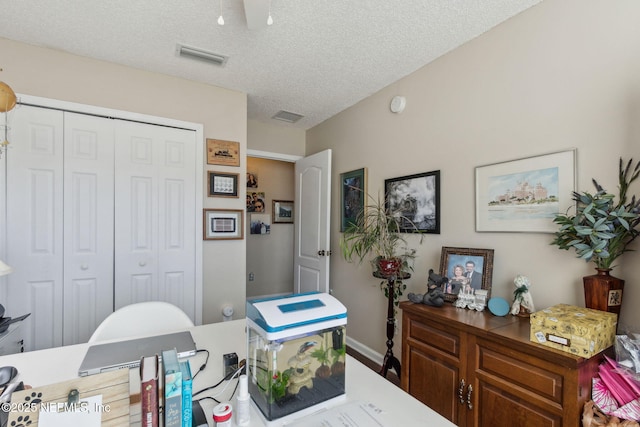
{"points": [[376, 235], [600, 232]]}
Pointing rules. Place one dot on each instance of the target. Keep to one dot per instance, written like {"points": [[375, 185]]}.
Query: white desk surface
{"points": [[38, 368]]}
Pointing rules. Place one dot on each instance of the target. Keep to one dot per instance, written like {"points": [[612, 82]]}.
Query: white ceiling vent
{"points": [[201, 54], [287, 116]]}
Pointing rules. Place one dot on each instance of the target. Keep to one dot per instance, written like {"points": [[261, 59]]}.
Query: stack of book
{"points": [[177, 394]]}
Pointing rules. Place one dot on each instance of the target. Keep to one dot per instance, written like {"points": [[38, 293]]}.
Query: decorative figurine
{"points": [[301, 375], [522, 300], [434, 295]]}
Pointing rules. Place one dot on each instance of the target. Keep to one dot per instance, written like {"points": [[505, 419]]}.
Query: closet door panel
{"points": [[155, 214], [34, 224], [136, 207], [176, 254], [88, 224]]}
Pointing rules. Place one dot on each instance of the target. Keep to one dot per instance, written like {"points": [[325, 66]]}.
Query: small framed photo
{"points": [[256, 202], [353, 194], [252, 180], [282, 211], [223, 184], [260, 224], [417, 198], [223, 153], [223, 224], [524, 195], [466, 268]]}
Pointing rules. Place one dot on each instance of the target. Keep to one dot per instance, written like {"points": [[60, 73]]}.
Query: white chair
{"points": [[145, 318]]}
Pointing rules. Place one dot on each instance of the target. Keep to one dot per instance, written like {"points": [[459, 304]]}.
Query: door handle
{"points": [[461, 391], [321, 252], [469, 391]]}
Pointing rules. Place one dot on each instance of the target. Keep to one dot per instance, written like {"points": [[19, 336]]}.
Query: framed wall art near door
{"points": [[524, 195], [223, 224], [223, 184], [282, 211], [223, 153], [417, 198], [353, 194], [466, 267]]}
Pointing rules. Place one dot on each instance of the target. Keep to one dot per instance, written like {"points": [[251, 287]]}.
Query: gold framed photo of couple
{"points": [[466, 268]]}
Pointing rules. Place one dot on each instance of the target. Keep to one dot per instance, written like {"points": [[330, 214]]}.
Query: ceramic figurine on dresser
{"points": [[434, 295], [522, 299]]}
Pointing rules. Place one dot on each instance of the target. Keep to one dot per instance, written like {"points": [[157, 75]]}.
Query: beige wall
{"points": [[270, 256], [53, 74], [563, 74], [275, 138]]}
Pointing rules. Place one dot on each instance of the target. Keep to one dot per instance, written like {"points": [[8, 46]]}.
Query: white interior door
{"points": [[88, 224], [34, 224], [155, 221], [312, 223]]}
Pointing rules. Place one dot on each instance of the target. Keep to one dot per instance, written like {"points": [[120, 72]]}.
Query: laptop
{"points": [[127, 354]]}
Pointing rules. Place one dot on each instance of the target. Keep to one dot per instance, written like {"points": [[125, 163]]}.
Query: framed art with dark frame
{"points": [[223, 184], [466, 267], [417, 198], [282, 211], [223, 224], [524, 195], [353, 194]]}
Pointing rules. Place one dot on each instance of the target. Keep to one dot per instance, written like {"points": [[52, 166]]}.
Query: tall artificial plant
{"points": [[602, 228]]}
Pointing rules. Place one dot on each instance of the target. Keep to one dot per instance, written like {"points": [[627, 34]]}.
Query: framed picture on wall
{"points": [[223, 184], [466, 268], [223, 153], [524, 195], [282, 211], [417, 198], [223, 224], [353, 195]]}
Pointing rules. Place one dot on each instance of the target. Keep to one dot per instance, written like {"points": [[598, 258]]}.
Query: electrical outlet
{"points": [[229, 364], [252, 277]]}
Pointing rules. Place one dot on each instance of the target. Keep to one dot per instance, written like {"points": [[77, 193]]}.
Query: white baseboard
{"points": [[367, 352]]}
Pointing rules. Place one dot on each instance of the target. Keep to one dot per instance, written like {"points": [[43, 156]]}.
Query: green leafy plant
{"points": [[376, 233], [602, 228]]}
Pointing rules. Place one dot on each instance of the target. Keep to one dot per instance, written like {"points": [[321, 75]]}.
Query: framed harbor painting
{"points": [[353, 194], [524, 195]]}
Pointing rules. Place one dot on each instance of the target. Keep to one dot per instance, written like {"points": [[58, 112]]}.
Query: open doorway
{"points": [[270, 243]]}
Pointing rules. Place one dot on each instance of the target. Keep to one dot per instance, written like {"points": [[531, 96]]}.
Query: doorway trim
{"points": [[291, 158]]}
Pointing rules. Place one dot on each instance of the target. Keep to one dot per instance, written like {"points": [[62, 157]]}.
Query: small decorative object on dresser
{"points": [[600, 232], [434, 295], [522, 300]]}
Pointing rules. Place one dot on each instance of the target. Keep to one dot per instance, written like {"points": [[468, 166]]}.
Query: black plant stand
{"points": [[390, 361]]}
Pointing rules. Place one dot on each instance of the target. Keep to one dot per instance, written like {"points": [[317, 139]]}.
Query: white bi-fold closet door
{"points": [[100, 214]]}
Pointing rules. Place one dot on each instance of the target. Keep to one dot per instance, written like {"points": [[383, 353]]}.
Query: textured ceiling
{"points": [[318, 58]]}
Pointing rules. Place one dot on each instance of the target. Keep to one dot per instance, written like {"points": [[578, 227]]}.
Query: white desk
{"points": [[38, 368]]}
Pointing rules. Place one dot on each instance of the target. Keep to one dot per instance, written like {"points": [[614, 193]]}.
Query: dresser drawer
{"points": [[445, 341]]}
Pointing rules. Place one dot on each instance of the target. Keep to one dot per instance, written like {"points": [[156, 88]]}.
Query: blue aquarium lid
{"points": [[293, 311]]}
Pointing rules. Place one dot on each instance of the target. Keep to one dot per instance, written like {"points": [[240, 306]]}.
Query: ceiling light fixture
{"points": [[220, 18], [202, 55]]}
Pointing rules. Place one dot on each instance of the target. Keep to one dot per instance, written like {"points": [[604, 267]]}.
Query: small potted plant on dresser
{"points": [[600, 232]]}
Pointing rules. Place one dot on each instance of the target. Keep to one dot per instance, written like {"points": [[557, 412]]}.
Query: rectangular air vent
{"points": [[202, 55], [287, 116]]}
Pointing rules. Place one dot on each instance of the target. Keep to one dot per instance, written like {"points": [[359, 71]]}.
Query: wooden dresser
{"points": [[477, 369]]}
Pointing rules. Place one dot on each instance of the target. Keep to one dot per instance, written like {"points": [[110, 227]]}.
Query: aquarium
{"points": [[296, 352]]}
